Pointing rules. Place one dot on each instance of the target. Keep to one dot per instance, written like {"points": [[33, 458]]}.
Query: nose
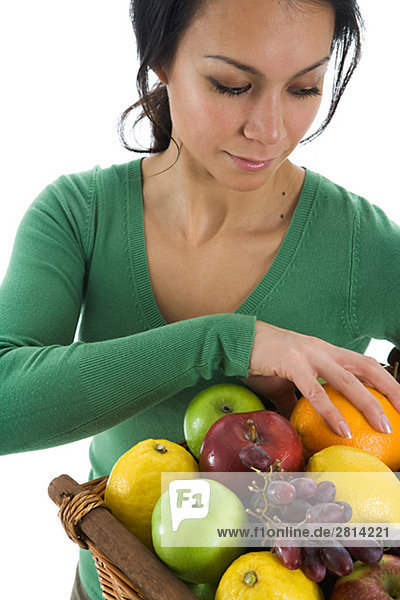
{"points": [[266, 123]]}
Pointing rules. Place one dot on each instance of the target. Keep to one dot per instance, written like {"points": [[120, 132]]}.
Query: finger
{"points": [[319, 399], [368, 370], [354, 390], [392, 398], [378, 377]]}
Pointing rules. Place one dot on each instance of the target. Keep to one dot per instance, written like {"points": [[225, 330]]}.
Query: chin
{"points": [[247, 181], [245, 186], [229, 177]]}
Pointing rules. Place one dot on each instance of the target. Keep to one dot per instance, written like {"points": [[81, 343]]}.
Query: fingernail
{"points": [[385, 425], [344, 430]]}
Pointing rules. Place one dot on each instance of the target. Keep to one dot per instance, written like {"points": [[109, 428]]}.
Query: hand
{"points": [[280, 391], [302, 358]]}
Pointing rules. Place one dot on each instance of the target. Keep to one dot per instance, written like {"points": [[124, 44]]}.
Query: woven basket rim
{"points": [[114, 584]]}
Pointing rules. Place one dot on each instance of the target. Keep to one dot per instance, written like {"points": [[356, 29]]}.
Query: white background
{"points": [[68, 71]]}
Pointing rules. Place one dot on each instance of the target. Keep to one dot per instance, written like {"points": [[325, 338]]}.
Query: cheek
{"points": [[198, 116], [217, 118], [302, 117]]}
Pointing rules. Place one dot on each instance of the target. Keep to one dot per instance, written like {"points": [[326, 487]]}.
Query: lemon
{"points": [[134, 484], [261, 576], [365, 482], [345, 458]]}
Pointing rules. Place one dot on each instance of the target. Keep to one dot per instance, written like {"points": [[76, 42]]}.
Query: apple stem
{"points": [[250, 578], [252, 430]]}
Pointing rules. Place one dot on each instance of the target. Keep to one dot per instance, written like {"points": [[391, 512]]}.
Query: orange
{"points": [[316, 434], [261, 576]]}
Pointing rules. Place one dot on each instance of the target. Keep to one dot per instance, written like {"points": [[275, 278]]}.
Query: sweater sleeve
{"points": [[375, 286], [54, 390]]}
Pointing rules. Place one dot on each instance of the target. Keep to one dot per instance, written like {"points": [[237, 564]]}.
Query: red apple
{"points": [[372, 582], [262, 439]]}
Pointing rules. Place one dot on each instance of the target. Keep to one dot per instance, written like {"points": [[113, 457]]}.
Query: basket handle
{"points": [[148, 574]]}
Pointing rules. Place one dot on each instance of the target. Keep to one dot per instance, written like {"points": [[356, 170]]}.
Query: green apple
{"points": [[210, 405], [205, 562], [204, 591]]}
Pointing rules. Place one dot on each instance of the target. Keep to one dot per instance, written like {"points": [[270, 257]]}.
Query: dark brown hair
{"points": [[159, 25]]}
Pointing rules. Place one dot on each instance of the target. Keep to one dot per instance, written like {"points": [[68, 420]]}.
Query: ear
{"points": [[161, 74]]}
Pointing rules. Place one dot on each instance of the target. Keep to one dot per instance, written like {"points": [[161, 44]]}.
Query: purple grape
{"points": [[295, 512], [290, 556], [312, 564], [253, 456], [327, 512], [367, 554], [326, 492], [347, 511], [305, 487], [280, 492], [337, 560]]}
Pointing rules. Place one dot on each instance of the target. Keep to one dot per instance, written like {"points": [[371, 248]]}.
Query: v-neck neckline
{"points": [[138, 252]]}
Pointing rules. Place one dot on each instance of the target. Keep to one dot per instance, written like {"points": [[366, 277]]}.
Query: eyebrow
{"points": [[253, 71]]}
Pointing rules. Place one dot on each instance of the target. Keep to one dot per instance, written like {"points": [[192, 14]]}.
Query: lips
{"points": [[251, 164], [253, 160]]}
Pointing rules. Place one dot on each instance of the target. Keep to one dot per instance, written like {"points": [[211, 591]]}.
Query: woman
{"points": [[213, 259]]}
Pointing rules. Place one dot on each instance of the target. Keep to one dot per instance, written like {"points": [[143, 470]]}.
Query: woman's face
{"points": [[245, 86]]}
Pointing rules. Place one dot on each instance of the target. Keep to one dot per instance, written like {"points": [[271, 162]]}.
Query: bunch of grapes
{"points": [[299, 500]]}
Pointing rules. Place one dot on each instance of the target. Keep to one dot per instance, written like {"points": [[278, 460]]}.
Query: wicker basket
{"points": [[127, 569]]}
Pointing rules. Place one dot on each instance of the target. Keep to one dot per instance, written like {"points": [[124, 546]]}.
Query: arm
{"points": [[54, 390]]}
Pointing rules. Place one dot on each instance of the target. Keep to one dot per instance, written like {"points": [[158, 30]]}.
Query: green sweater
{"points": [[80, 254]]}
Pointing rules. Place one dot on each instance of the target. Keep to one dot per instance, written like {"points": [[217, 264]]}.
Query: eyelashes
{"points": [[307, 92], [229, 91], [237, 91]]}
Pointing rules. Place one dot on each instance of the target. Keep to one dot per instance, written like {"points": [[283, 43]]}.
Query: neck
{"points": [[197, 208]]}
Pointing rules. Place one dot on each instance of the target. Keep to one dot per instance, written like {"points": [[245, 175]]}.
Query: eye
{"points": [[307, 92], [229, 91]]}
